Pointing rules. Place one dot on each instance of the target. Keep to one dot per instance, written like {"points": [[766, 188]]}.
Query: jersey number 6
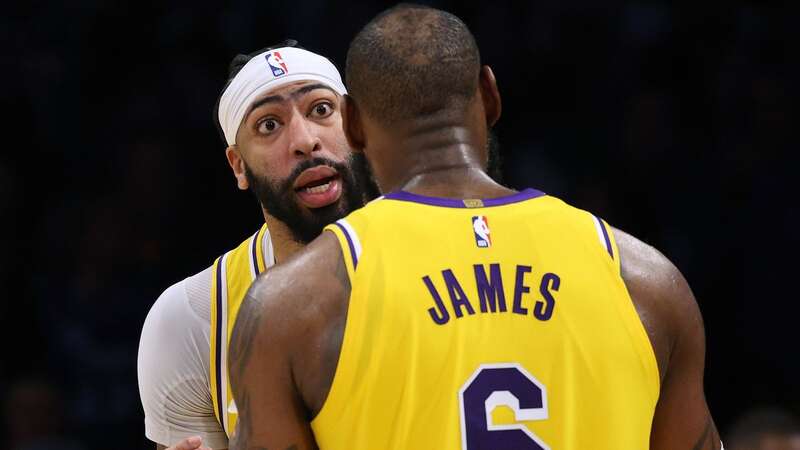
{"points": [[495, 385]]}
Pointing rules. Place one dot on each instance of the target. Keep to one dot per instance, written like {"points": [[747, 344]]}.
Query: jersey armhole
{"points": [[607, 241], [215, 338], [262, 255], [633, 322], [336, 401], [349, 242]]}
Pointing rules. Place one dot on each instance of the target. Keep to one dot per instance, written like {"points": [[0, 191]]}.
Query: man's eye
{"points": [[268, 126], [323, 109]]}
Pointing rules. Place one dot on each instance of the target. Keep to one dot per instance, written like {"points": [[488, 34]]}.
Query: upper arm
{"points": [[673, 321], [173, 373], [277, 350], [270, 411]]}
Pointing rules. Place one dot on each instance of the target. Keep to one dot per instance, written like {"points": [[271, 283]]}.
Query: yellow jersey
{"points": [[499, 324], [232, 275]]}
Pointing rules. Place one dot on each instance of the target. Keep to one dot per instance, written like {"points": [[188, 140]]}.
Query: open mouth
{"points": [[318, 186]]}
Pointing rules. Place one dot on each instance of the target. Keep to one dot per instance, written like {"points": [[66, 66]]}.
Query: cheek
{"points": [[267, 163], [335, 140]]}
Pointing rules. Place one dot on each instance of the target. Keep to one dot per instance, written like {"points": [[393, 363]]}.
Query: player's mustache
{"points": [[341, 168]]}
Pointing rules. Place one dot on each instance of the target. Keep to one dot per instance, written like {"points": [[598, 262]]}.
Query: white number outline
{"points": [[505, 398]]}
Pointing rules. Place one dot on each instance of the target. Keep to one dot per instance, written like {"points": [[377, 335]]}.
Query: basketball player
{"points": [[456, 313], [280, 117]]}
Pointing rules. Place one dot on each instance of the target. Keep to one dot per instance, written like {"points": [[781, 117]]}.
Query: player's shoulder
{"points": [[645, 266], [186, 300], [661, 295], [177, 325], [313, 273], [297, 311], [298, 298]]}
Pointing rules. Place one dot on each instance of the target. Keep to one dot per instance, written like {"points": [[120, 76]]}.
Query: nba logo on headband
{"points": [[275, 62]]}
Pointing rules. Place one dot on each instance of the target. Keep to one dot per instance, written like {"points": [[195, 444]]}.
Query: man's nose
{"points": [[305, 140]]}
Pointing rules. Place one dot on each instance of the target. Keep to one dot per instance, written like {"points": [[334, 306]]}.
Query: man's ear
{"points": [[237, 165], [490, 95], [351, 122]]}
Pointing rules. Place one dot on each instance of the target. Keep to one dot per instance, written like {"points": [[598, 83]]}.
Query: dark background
{"points": [[674, 123]]}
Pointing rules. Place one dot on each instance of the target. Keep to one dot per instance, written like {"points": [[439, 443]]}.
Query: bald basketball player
{"points": [[454, 312]]}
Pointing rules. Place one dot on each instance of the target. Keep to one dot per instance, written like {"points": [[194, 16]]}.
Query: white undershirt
{"points": [[173, 365]]}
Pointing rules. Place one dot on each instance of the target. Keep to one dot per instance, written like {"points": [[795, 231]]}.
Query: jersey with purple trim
{"points": [[233, 273], [486, 324]]}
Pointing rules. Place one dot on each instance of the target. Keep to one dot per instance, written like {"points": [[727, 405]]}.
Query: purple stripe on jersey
{"points": [[218, 356], [605, 236], [255, 251], [349, 244], [520, 196]]}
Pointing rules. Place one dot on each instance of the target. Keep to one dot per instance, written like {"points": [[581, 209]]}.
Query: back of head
{"points": [[412, 61]]}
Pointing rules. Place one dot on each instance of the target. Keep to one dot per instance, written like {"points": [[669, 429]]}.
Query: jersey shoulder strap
{"points": [[232, 275]]}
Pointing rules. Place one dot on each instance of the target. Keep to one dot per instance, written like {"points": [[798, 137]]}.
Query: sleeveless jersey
{"points": [[232, 275], [499, 324]]}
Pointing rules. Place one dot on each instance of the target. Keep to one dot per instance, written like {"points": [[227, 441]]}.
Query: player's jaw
{"points": [[319, 191]]}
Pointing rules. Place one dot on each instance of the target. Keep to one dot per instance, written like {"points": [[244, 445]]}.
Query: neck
{"points": [[283, 243], [442, 161], [455, 182]]}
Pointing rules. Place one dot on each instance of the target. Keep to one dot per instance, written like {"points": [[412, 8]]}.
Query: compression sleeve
{"points": [[173, 369]]}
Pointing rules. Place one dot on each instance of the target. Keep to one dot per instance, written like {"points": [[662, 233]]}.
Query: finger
{"points": [[191, 443]]}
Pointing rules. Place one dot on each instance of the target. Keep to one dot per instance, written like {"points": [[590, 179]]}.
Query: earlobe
{"points": [[351, 122], [236, 162], [490, 96]]}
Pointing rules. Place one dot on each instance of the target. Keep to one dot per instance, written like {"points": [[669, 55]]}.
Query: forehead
{"points": [[286, 93], [287, 90]]}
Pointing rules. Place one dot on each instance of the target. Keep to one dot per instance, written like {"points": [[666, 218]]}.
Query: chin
{"points": [[334, 209]]}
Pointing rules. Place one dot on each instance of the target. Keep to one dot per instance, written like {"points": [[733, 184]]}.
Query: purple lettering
{"points": [[543, 310], [457, 295], [520, 288], [490, 292], [439, 314]]}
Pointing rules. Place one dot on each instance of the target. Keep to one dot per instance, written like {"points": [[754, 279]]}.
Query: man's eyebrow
{"points": [[311, 87], [279, 98], [261, 102]]}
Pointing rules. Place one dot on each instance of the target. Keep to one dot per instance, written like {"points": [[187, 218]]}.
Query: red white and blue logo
{"points": [[275, 62], [480, 225]]}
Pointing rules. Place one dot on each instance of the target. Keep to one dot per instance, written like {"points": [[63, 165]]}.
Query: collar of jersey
{"points": [[520, 196]]}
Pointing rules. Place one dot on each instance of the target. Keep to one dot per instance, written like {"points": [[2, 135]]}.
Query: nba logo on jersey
{"points": [[275, 62], [481, 227]]}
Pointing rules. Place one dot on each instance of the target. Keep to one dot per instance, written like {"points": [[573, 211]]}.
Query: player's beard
{"points": [[279, 198]]}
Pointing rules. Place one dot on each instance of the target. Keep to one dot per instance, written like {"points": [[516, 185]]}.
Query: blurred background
{"points": [[674, 122]]}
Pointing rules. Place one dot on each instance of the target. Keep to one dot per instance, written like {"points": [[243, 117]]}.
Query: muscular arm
{"points": [[285, 347], [670, 314]]}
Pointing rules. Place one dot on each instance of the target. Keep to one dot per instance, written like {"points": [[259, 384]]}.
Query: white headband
{"points": [[267, 71]]}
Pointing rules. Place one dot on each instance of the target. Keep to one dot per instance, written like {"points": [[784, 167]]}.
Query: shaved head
{"points": [[412, 61]]}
